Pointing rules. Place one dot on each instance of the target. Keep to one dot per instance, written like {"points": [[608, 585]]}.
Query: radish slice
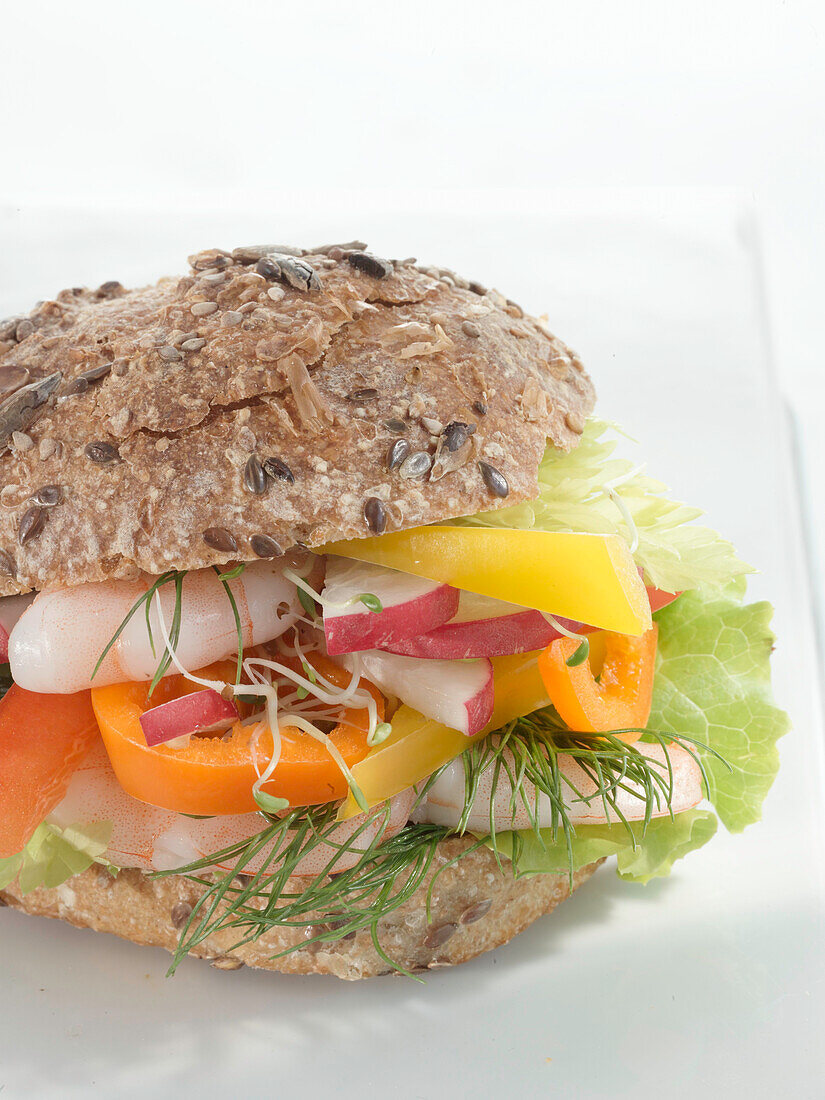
{"points": [[484, 627], [200, 712], [4, 645], [411, 606], [459, 694]]}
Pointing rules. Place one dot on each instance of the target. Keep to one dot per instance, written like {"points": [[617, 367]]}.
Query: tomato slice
{"points": [[659, 598], [619, 700], [215, 776], [43, 740]]}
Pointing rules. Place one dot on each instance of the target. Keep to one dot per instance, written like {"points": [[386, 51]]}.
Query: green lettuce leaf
{"points": [[54, 855], [573, 495], [641, 854], [713, 684]]}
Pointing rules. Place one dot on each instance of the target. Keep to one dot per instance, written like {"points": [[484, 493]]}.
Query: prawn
{"points": [[57, 642], [153, 839], [444, 801]]}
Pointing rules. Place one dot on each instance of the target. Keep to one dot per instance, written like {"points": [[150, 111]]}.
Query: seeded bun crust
{"points": [[135, 426], [475, 908]]}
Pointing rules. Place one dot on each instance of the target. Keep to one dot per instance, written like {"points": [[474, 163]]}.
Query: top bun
{"points": [[271, 396]]}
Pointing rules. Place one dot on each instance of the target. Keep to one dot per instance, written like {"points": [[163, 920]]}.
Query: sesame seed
{"points": [[24, 329], [170, 354], [469, 329], [231, 318]]}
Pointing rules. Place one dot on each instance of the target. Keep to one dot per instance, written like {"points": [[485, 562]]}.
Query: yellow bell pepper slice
{"points": [[587, 577], [418, 746]]}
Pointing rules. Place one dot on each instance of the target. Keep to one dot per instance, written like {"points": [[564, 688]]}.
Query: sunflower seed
{"points": [[375, 514], [477, 288], [456, 433], [12, 378], [19, 411], [298, 273], [397, 426], [415, 465], [110, 289], [48, 496], [469, 329], [202, 309], [193, 345], [31, 524], [94, 374], [476, 912], [480, 408], [276, 293], [495, 481], [231, 318], [250, 254], [370, 265], [265, 547], [180, 914], [367, 394], [101, 452], [268, 268], [210, 257], [77, 386], [218, 538], [439, 936], [254, 477], [278, 470], [350, 246], [396, 453], [6, 565]]}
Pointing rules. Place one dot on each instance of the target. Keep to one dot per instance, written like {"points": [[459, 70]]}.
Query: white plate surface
{"points": [[709, 983]]}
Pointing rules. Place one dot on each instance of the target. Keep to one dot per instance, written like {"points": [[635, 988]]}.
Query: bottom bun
{"points": [[475, 907]]}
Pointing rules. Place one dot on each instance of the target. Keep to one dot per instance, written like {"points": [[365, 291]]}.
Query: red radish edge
{"points": [[379, 629], [4, 646], [498, 636], [201, 712]]}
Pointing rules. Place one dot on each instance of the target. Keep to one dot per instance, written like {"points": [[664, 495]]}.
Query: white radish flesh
{"points": [[410, 606], [200, 712], [459, 694]]}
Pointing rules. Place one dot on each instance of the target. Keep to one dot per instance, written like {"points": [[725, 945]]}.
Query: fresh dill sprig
{"points": [[143, 600], [225, 578], [386, 874], [383, 877]]}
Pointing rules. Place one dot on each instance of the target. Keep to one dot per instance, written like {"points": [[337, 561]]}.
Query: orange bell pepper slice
{"points": [[43, 740], [212, 775], [619, 700]]}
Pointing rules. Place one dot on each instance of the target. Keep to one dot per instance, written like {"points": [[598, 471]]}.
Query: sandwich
{"points": [[337, 635]]}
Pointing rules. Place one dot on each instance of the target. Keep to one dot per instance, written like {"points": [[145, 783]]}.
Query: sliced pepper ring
{"points": [[213, 775], [620, 699]]}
